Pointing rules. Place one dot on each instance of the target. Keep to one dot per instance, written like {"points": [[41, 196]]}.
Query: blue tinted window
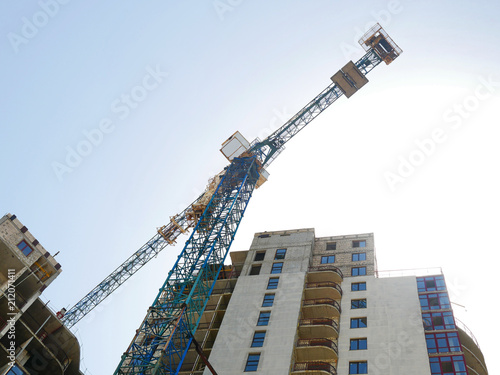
{"points": [[357, 257], [277, 267], [442, 342], [328, 259], [358, 368], [280, 254], [15, 371], [358, 271], [454, 365], [358, 286], [358, 303], [264, 318], [438, 320], [434, 301], [25, 248], [252, 362], [268, 300], [258, 339], [431, 284], [358, 322], [358, 243], [358, 344], [273, 283]]}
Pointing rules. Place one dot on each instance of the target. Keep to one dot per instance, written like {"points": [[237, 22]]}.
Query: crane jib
{"points": [[161, 343]]}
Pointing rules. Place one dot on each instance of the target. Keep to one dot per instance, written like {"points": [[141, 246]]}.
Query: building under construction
{"points": [[33, 339], [297, 304], [291, 304]]}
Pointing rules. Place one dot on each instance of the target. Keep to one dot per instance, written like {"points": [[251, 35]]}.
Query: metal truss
{"points": [[165, 335], [167, 235], [268, 149]]}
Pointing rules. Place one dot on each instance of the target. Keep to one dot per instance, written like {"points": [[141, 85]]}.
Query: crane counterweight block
{"points": [[349, 79]]}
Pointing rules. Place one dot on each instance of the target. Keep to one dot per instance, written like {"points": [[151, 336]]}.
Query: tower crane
{"points": [[166, 333]]}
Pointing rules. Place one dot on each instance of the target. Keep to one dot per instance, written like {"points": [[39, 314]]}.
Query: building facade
{"points": [[297, 304], [32, 338]]}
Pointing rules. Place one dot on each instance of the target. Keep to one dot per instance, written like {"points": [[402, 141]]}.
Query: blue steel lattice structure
{"points": [[165, 335], [161, 343], [379, 47]]}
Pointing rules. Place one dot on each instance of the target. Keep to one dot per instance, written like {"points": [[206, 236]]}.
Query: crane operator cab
{"points": [[378, 39], [350, 79]]}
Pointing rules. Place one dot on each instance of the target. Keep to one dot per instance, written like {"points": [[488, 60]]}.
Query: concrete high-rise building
{"points": [[32, 338], [297, 304]]}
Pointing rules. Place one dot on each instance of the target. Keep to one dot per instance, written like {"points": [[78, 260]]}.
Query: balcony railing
{"points": [[320, 322], [325, 284], [214, 325], [315, 366], [326, 268], [220, 306], [322, 301], [317, 342]]}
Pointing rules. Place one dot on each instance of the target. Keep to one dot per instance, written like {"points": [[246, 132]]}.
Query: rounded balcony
{"points": [[323, 289], [320, 327], [314, 368], [320, 308], [317, 349], [324, 273]]}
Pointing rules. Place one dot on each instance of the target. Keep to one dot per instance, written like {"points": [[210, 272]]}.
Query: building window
{"points": [[24, 247], [358, 322], [259, 256], [438, 320], [273, 283], [14, 370], [328, 259], [252, 362], [358, 271], [359, 243], [358, 368], [264, 318], [280, 254], [264, 236], [358, 344], [431, 284], [355, 287], [255, 270], [331, 246], [442, 342], [358, 257], [258, 339], [268, 300], [434, 301], [277, 267], [449, 365], [358, 303]]}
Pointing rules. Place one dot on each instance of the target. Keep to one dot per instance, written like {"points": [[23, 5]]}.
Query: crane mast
{"points": [[165, 335]]}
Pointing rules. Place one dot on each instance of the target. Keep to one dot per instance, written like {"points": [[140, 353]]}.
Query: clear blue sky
{"points": [[113, 114]]}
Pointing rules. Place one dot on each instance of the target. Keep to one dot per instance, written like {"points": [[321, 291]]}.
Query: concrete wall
{"points": [[232, 346], [394, 332]]}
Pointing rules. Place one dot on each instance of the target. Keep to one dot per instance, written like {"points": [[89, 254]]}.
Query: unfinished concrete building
{"points": [[297, 304], [32, 338]]}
